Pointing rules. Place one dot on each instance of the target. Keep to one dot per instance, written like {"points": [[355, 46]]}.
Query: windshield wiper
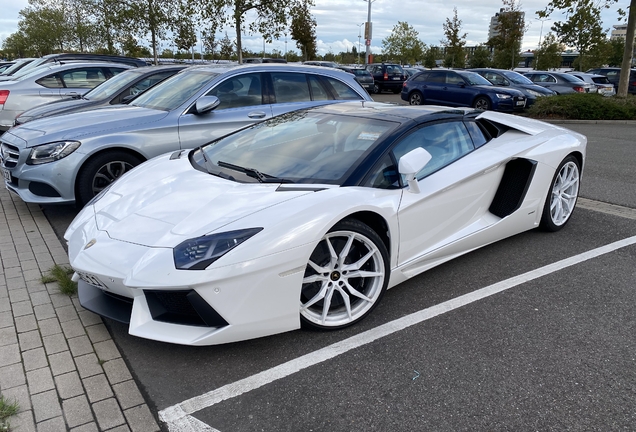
{"points": [[251, 172]]}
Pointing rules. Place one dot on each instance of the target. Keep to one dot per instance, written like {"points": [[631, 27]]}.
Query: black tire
{"points": [[416, 98], [100, 171], [482, 103], [332, 295], [377, 89], [561, 201]]}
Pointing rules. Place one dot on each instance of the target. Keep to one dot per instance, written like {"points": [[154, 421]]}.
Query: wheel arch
{"points": [[377, 223], [482, 95], [130, 151]]}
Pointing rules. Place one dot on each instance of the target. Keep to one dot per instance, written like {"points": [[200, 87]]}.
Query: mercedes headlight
{"points": [[503, 96], [199, 253], [51, 152]]}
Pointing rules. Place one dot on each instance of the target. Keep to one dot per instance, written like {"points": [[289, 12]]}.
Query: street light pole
{"points": [[359, 36], [536, 59]]}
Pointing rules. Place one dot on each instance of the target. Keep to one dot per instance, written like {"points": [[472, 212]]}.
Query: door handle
{"points": [[257, 114]]}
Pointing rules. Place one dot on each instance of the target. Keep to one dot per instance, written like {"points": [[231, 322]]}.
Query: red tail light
{"points": [[4, 94], [633, 83], [579, 89], [386, 76]]}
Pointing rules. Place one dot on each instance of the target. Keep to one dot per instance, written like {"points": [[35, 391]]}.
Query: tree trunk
{"points": [[623, 85], [154, 45], [239, 48]]}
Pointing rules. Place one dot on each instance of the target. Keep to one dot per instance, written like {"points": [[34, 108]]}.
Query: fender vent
{"points": [[513, 187]]}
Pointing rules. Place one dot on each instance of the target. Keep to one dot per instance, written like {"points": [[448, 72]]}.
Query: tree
{"points": [[403, 44], [226, 47], [548, 55], [510, 29], [303, 29], [454, 42], [623, 84], [17, 44], [583, 28], [431, 56], [616, 51], [270, 20], [45, 29], [149, 16], [480, 58], [209, 42]]}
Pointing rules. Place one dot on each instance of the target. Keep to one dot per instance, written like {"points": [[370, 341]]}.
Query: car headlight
{"points": [[51, 152], [199, 253], [503, 96], [534, 93]]}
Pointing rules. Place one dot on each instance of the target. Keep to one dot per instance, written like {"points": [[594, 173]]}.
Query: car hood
{"points": [[503, 90], [534, 87], [56, 108], [166, 201], [78, 125]]}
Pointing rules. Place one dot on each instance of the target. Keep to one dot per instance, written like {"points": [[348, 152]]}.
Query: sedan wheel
{"points": [[376, 89], [101, 171], [415, 98], [482, 103], [563, 194], [345, 277]]}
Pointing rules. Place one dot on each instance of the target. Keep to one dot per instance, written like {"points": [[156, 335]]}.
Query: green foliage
{"points": [[480, 58], [510, 30], [454, 42], [303, 29], [615, 53], [227, 48], [7, 409], [61, 275], [45, 29], [585, 106], [403, 44], [548, 55], [431, 56]]}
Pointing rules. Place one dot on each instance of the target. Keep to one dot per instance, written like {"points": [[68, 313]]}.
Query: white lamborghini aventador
{"points": [[307, 218]]}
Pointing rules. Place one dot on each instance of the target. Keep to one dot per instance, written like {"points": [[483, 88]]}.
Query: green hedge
{"points": [[584, 107]]}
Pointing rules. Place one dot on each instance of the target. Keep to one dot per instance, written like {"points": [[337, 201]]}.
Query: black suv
{"points": [[387, 76], [362, 76], [613, 74]]}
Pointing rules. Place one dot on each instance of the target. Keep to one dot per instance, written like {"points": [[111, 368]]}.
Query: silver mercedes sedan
{"points": [[49, 83], [71, 158]]}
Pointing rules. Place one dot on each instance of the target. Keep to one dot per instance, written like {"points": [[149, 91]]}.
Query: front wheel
{"points": [[562, 196], [482, 103], [345, 278], [101, 171]]}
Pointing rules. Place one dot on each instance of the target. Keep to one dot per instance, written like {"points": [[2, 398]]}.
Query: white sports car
{"points": [[307, 218]]}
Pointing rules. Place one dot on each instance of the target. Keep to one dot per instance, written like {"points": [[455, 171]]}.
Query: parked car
{"points": [[511, 79], [13, 69], [613, 74], [321, 63], [50, 83], [410, 71], [602, 83], [80, 57], [71, 158], [387, 76], [254, 234], [560, 82], [120, 89], [362, 76], [264, 60], [460, 88], [5, 65]]}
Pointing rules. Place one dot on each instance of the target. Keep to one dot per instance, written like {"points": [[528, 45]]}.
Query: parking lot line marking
{"points": [[177, 417], [607, 208]]}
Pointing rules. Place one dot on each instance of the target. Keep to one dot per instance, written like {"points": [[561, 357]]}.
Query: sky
{"points": [[339, 22]]}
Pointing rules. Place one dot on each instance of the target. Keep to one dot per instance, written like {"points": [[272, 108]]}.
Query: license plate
{"points": [[7, 175], [396, 78], [520, 103]]}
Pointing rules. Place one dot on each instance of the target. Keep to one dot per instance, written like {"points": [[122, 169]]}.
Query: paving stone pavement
{"points": [[57, 360]]}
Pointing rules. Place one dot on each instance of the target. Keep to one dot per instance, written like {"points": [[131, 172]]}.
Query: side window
{"points": [[386, 176], [290, 87], [318, 92], [239, 91], [115, 71], [446, 142], [613, 75], [51, 81], [478, 137], [437, 77], [83, 78], [494, 78], [342, 91], [422, 77], [453, 78]]}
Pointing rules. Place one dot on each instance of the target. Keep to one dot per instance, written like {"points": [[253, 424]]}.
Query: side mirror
{"points": [[206, 104], [412, 163]]}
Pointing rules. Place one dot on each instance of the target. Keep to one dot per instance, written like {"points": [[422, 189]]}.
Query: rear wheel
{"points": [[562, 196], [482, 103], [101, 171], [416, 98], [345, 278], [377, 89]]}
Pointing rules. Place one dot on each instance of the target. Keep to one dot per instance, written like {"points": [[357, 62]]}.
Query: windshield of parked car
{"points": [[516, 78], [31, 66], [112, 86], [601, 80], [474, 78], [174, 91], [17, 66], [24, 75], [298, 147]]}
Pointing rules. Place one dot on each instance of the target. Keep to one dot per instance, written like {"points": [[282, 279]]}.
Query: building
{"points": [[494, 22], [619, 32]]}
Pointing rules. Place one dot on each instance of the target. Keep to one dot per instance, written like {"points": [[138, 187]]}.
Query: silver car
{"points": [[602, 83], [50, 83], [71, 158]]}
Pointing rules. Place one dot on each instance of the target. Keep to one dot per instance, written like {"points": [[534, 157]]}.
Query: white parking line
{"points": [[178, 417]]}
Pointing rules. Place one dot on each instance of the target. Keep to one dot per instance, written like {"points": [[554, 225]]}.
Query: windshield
{"points": [[112, 86], [474, 78], [299, 147], [601, 80], [15, 67], [34, 64], [516, 78], [174, 91], [26, 74]]}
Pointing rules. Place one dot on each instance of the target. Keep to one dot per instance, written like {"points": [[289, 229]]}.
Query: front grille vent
{"points": [[10, 155]]}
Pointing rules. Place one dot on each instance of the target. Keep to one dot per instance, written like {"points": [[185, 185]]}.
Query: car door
{"points": [[241, 103], [456, 189], [457, 92], [434, 87]]}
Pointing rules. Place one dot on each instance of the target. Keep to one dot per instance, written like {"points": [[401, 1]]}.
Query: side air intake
{"points": [[513, 187]]}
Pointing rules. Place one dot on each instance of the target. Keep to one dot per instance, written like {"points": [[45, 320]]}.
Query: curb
{"points": [[57, 360], [601, 122]]}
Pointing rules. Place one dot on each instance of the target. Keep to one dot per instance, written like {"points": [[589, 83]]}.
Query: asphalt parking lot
{"points": [[554, 350]]}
